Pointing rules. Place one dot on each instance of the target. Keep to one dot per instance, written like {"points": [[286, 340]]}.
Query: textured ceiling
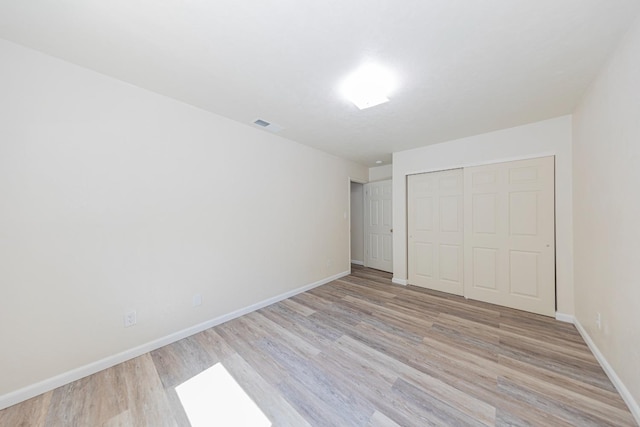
{"points": [[464, 66]]}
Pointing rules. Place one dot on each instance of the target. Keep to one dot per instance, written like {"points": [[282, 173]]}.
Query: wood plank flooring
{"points": [[360, 351]]}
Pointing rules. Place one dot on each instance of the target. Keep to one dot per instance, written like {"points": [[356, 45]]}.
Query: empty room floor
{"points": [[358, 351]]}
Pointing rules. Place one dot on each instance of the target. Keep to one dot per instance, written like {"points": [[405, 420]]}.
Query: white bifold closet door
{"points": [[435, 227], [509, 234]]}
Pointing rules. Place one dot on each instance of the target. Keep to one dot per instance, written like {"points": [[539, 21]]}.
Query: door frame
{"points": [[349, 181]]}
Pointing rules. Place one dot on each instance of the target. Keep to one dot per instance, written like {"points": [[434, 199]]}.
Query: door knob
{"points": [[391, 231]]}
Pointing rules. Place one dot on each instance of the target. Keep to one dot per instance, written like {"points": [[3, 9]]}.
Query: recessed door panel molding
{"points": [[450, 261], [374, 209], [449, 219], [436, 230], [484, 213], [387, 249], [374, 244], [378, 226], [509, 242], [523, 273], [526, 174], [386, 211], [424, 252], [423, 213], [449, 183], [484, 268], [521, 223], [483, 178]]}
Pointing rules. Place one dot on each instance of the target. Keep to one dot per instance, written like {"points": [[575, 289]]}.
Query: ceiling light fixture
{"points": [[378, 162], [368, 86]]}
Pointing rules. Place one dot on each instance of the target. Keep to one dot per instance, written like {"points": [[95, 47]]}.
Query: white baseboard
{"points": [[36, 389], [568, 318], [398, 281], [608, 369], [356, 262]]}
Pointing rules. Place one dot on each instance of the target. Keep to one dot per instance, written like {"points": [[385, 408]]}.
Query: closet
{"points": [[486, 232]]}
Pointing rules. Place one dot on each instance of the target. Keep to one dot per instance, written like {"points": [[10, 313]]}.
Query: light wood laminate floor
{"points": [[359, 351]]}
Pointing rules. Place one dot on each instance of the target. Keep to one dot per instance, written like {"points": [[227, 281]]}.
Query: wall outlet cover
{"points": [[130, 319]]}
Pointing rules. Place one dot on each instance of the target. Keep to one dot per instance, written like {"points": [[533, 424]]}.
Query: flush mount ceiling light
{"points": [[368, 86], [378, 162]]}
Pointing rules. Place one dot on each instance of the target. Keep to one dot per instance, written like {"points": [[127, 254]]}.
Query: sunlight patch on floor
{"points": [[214, 398]]}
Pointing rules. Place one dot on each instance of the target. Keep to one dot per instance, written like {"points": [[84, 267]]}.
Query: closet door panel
{"points": [[509, 244], [436, 234]]}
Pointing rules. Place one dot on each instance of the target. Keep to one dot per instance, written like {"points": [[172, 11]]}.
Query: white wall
{"points": [[357, 222], [380, 173], [113, 198], [606, 153], [549, 137]]}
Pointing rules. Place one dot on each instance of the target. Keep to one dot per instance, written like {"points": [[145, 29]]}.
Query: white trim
{"points": [[358, 181], [36, 389], [398, 281], [608, 369], [568, 318], [353, 261], [464, 165]]}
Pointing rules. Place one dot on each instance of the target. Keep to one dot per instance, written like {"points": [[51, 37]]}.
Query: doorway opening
{"points": [[356, 225]]}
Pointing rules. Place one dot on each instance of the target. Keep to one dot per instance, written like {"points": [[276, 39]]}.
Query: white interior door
{"points": [[509, 234], [378, 240], [435, 226]]}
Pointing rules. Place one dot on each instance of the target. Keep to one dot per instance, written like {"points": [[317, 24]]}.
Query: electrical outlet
{"points": [[130, 319], [196, 300], [599, 321]]}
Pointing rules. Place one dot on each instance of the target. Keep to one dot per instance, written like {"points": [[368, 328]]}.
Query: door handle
{"points": [[391, 231]]}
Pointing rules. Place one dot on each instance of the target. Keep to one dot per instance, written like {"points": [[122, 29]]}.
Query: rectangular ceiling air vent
{"points": [[270, 126], [262, 123]]}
